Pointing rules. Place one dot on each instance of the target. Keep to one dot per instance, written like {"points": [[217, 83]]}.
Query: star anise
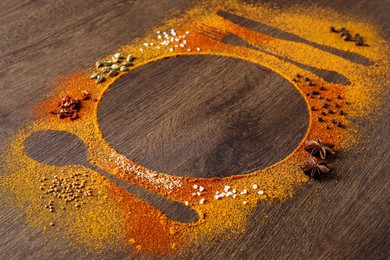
{"points": [[314, 168], [318, 148]]}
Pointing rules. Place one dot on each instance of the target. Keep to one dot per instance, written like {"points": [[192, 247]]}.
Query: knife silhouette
{"points": [[280, 34]]}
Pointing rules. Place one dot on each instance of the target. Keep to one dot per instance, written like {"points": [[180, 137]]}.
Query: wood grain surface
{"points": [[342, 217], [210, 128]]}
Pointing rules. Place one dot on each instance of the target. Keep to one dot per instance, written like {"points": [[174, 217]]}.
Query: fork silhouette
{"points": [[237, 40]]}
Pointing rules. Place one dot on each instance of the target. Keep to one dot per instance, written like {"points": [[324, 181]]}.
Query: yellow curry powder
{"points": [[114, 218]]}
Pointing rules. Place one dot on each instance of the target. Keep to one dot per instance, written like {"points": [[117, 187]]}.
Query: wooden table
{"points": [[344, 217]]}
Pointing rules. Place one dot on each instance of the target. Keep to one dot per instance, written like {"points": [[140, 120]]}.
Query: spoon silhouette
{"points": [[62, 148]]}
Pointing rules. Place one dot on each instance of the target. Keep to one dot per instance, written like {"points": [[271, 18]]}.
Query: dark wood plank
{"points": [[343, 217]]}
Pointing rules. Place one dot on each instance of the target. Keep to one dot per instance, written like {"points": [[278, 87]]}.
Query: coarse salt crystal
{"points": [[254, 186], [151, 44], [186, 203], [229, 194], [243, 192], [158, 32], [185, 41], [188, 49], [217, 192], [244, 202], [159, 37], [195, 186], [198, 193], [146, 44], [216, 197], [198, 49], [226, 189], [234, 195], [194, 194], [187, 32], [222, 194], [181, 45], [234, 191], [158, 47], [171, 49], [141, 49], [260, 192], [201, 188], [202, 201], [177, 39]]}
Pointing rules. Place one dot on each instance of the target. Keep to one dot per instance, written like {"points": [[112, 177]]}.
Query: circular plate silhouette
{"points": [[199, 119]]}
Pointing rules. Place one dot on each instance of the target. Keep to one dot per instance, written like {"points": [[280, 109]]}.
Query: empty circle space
{"points": [[203, 116]]}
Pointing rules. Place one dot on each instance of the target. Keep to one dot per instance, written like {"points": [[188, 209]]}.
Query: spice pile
{"points": [[111, 67], [68, 107]]}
